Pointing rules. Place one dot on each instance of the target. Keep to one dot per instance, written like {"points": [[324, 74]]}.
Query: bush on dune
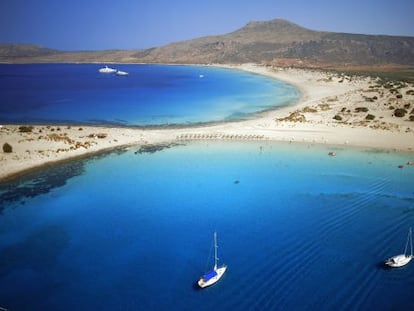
{"points": [[399, 112], [25, 129], [7, 148]]}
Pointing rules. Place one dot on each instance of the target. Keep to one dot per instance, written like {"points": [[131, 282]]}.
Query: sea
{"points": [[129, 230], [149, 95]]}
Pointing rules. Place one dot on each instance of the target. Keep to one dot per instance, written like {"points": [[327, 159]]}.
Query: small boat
{"points": [[121, 73], [216, 273], [201, 76], [402, 259], [107, 69]]}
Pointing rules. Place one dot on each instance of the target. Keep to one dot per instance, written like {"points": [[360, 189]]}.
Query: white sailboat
{"points": [[214, 275], [402, 259]]}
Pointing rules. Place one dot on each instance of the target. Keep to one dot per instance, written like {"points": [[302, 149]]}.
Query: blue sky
{"points": [[133, 24]]}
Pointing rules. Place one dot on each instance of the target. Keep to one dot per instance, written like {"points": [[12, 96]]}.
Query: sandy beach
{"points": [[334, 109]]}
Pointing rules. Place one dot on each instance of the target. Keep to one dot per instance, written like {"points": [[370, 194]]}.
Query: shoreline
{"points": [[332, 110]]}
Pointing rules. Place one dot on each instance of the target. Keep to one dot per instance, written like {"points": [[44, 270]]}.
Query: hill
{"points": [[11, 52], [25, 53], [281, 40], [277, 42]]}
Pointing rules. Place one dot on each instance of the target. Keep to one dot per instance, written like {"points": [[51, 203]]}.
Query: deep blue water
{"points": [[150, 95], [299, 230]]}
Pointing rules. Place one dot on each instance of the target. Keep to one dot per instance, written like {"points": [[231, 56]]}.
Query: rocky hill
{"points": [[281, 40], [277, 41], [24, 53], [11, 52]]}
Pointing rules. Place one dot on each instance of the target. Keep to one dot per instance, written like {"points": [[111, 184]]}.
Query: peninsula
{"points": [[334, 109], [339, 104]]}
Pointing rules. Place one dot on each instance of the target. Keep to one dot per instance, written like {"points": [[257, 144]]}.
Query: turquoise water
{"points": [[149, 95], [298, 229]]}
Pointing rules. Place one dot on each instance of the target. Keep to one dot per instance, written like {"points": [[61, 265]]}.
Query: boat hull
{"points": [[107, 70], [398, 261], [121, 73], [219, 273]]}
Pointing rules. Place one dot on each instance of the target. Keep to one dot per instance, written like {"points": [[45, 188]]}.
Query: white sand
{"points": [[324, 95]]}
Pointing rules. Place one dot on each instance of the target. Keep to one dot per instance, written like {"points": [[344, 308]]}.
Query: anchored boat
{"points": [[216, 273], [121, 73], [402, 259], [107, 69]]}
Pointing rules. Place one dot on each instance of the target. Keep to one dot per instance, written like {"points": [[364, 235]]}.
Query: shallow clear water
{"points": [[297, 228], [149, 95]]}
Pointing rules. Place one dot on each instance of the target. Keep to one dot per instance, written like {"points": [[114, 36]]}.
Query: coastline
{"points": [[324, 96]]}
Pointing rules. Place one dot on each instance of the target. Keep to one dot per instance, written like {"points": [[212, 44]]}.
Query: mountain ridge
{"points": [[277, 41]]}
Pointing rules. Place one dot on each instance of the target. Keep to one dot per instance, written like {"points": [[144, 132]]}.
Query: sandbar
{"points": [[334, 109]]}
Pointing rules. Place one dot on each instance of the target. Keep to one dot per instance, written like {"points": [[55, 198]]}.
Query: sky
{"points": [[139, 24]]}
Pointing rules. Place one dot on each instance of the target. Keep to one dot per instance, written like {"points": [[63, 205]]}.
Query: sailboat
{"points": [[402, 259], [216, 273]]}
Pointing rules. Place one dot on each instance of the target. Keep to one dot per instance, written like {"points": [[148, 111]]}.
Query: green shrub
{"points": [[361, 109], [338, 117], [370, 117], [399, 112], [411, 118], [25, 129], [7, 148]]}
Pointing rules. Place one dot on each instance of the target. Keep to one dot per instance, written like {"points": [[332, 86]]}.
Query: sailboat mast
{"points": [[409, 240], [215, 250]]}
